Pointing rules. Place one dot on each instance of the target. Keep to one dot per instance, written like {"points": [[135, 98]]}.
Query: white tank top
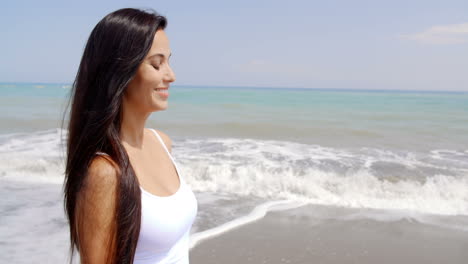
{"points": [[165, 223]]}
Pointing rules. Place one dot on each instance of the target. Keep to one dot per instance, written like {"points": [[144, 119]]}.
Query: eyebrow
{"points": [[159, 54]]}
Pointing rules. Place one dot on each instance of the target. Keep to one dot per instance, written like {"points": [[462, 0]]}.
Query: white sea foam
{"points": [[434, 182], [33, 157], [361, 178], [256, 214]]}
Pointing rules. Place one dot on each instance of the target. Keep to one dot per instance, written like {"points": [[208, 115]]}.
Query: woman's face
{"points": [[148, 90]]}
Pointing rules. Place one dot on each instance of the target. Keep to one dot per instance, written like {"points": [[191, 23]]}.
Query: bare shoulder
{"points": [[167, 140], [99, 192], [102, 174]]}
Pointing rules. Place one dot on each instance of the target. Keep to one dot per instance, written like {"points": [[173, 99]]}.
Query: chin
{"points": [[160, 107]]}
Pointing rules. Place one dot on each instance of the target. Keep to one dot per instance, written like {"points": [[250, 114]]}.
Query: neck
{"points": [[132, 127]]}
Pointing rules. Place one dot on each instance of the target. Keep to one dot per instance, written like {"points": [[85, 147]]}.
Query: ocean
{"points": [[386, 155]]}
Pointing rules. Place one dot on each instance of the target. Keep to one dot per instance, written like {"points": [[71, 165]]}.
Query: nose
{"points": [[170, 75]]}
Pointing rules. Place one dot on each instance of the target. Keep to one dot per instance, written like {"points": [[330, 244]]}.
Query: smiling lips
{"points": [[163, 92]]}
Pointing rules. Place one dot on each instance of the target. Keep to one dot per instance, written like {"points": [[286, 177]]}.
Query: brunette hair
{"points": [[115, 49]]}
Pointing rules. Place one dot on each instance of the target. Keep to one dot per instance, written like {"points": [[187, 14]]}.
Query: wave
{"points": [[434, 182]]}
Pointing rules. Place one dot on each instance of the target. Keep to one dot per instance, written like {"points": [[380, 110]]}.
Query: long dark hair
{"points": [[115, 49]]}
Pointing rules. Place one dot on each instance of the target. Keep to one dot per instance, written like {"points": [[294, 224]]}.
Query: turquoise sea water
{"points": [[412, 120]]}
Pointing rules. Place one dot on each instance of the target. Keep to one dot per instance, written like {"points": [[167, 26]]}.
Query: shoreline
{"points": [[258, 213], [296, 236]]}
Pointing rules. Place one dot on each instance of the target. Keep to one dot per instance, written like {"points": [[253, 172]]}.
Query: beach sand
{"points": [[294, 236]]}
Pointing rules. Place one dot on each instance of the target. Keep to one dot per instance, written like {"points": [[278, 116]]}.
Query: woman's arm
{"points": [[95, 213]]}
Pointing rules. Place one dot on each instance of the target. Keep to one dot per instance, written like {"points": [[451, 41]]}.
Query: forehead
{"points": [[160, 44]]}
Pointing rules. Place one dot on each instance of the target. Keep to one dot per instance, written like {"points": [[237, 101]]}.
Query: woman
{"points": [[125, 199]]}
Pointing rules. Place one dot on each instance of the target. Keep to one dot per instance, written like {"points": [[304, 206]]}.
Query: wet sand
{"points": [[287, 237]]}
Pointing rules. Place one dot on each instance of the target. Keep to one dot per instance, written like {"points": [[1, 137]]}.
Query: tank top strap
{"points": [[170, 155], [161, 141], [101, 153]]}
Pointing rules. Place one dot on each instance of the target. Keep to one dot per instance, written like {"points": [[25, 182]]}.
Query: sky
{"points": [[401, 45]]}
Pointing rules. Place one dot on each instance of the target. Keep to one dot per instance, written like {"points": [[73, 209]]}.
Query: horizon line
{"points": [[273, 87]]}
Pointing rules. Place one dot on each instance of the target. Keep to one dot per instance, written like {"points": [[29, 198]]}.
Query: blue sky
{"points": [[405, 45]]}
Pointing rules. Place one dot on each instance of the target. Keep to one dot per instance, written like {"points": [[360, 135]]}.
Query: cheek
{"points": [[142, 86], [151, 77]]}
